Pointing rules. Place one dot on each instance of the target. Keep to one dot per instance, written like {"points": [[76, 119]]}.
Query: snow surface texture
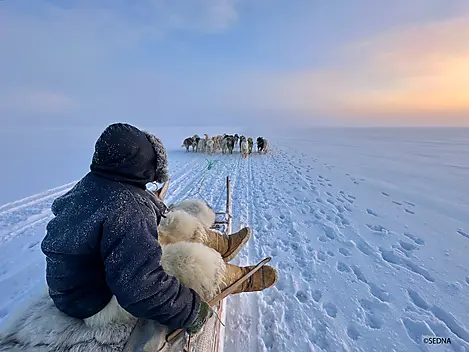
{"points": [[369, 231]]}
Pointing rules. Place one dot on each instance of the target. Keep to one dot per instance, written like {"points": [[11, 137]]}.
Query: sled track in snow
{"points": [[18, 217], [31, 200]]}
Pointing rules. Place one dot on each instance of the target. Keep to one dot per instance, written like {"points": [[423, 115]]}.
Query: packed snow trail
{"points": [[354, 275], [364, 265]]}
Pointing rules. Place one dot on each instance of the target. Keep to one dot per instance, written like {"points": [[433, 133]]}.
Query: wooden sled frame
{"points": [[142, 332]]}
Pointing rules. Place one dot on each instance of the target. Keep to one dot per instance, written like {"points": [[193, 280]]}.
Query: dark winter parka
{"points": [[103, 240]]}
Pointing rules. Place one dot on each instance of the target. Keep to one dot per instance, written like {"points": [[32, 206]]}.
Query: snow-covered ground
{"points": [[369, 230]]}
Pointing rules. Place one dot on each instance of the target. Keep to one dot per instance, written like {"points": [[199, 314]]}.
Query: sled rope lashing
{"points": [[225, 293]]}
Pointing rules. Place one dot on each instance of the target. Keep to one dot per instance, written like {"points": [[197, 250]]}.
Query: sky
{"points": [[239, 63]]}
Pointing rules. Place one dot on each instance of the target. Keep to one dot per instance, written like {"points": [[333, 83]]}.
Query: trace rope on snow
{"points": [[199, 184], [210, 164]]}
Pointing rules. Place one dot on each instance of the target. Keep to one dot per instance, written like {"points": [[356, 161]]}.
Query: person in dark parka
{"points": [[103, 240]]}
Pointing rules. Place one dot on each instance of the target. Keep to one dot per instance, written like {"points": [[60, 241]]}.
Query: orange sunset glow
{"points": [[404, 73]]}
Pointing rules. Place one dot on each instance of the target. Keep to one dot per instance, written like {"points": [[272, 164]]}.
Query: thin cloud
{"points": [[74, 55], [415, 71]]}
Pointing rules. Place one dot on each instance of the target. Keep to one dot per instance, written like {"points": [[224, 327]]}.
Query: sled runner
{"points": [[149, 336]]}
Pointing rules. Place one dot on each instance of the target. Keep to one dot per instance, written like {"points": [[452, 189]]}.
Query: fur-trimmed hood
{"points": [[126, 154]]}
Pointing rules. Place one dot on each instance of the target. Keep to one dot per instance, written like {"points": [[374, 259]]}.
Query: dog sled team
{"points": [[225, 144], [116, 253]]}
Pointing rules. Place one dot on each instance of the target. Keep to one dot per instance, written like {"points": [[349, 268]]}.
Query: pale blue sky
{"points": [[221, 62]]}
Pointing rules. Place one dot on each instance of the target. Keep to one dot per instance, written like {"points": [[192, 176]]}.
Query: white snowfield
{"points": [[369, 232]]}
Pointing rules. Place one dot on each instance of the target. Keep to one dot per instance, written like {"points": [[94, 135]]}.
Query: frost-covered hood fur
{"points": [[161, 170], [126, 154]]}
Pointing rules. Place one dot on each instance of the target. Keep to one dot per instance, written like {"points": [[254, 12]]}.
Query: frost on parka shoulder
{"points": [[41, 327]]}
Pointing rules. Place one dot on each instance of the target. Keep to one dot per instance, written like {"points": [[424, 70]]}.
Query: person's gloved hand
{"points": [[205, 313]]}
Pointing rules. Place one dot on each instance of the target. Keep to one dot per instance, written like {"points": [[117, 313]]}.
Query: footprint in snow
{"points": [[396, 202], [453, 287], [294, 246], [385, 194], [414, 238], [378, 292], [317, 295], [409, 203], [340, 208], [372, 314], [338, 221], [407, 246], [353, 332], [345, 252], [358, 273], [321, 256], [308, 275], [364, 247], [302, 296], [377, 229], [392, 258], [343, 268], [330, 309], [322, 239], [371, 212], [409, 211], [330, 232]]}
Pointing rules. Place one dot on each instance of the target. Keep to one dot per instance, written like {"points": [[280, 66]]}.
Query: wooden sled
{"points": [[149, 336]]}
